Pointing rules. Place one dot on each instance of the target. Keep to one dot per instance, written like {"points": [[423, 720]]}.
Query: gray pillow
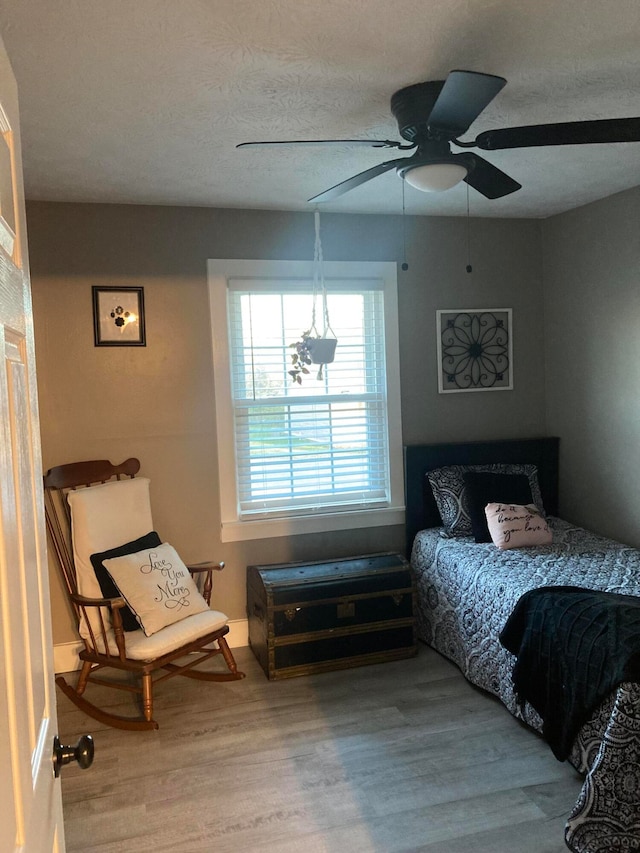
{"points": [[447, 485]]}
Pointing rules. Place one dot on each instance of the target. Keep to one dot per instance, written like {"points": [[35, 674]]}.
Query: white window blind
{"points": [[322, 445]]}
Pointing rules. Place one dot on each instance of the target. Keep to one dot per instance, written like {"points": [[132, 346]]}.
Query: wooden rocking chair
{"points": [[95, 508]]}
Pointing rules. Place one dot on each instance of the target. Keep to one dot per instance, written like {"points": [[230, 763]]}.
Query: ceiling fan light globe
{"points": [[435, 177]]}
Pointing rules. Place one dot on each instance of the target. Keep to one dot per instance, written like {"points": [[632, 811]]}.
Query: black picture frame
{"points": [[118, 316], [475, 350]]}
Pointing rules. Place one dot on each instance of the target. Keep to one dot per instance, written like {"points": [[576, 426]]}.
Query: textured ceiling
{"points": [[143, 101]]}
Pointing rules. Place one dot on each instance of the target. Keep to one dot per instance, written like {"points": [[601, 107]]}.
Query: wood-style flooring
{"points": [[403, 756]]}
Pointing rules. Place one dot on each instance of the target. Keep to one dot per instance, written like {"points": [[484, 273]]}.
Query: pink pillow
{"points": [[515, 526]]}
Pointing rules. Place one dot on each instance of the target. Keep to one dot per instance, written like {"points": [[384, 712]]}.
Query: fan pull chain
{"points": [[405, 265], [469, 267]]}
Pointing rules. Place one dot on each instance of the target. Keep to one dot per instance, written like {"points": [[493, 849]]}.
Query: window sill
{"points": [[238, 531]]}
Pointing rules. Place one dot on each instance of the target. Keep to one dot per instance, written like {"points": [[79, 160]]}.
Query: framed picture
{"points": [[475, 350], [118, 316]]}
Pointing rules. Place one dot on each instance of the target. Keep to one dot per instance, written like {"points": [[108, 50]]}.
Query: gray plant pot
{"points": [[322, 350]]}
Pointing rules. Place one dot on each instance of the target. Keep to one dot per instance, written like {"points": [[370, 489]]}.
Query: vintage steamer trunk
{"points": [[315, 617]]}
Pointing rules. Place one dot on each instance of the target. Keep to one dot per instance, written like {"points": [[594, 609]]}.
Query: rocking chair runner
{"points": [[94, 507]]}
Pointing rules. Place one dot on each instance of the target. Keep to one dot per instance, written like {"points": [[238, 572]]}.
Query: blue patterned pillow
{"points": [[447, 485]]}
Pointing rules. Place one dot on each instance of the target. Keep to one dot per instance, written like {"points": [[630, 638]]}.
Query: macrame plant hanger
{"points": [[313, 347], [322, 347]]}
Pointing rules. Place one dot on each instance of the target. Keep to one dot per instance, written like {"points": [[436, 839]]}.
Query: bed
{"points": [[467, 591]]}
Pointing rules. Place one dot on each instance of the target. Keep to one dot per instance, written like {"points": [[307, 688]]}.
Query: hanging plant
{"points": [[313, 348]]}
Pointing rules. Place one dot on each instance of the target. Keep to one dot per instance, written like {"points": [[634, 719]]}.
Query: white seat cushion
{"points": [[141, 647]]}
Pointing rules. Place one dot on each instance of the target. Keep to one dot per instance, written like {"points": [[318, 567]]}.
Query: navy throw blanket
{"points": [[574, 646]]}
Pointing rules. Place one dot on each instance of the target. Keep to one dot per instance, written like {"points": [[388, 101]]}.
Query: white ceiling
{"points": [[143, 101]]}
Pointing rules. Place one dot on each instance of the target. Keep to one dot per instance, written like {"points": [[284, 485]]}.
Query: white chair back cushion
{"points": [[104, 517]]}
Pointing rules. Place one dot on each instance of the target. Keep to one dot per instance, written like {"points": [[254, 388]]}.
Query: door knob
{"points": [[82, 752]]}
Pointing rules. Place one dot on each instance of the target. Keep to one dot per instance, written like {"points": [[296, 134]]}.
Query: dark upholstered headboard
{"points": [[421, 507]]}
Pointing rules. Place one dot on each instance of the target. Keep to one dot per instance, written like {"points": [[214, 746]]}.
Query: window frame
{"points": [[232, 527]]}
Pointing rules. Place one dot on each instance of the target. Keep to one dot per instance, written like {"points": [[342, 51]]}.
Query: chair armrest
{"points": [[206, 567], [112, 603], [209, 568]]}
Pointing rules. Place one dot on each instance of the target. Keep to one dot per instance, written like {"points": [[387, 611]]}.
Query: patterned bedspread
{"points": [[466, 592]]}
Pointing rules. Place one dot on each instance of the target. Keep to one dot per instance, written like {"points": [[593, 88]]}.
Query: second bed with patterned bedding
{"points": [[466, 593], [470, 579]]}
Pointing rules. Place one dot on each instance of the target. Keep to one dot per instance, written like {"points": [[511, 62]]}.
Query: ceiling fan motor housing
{"points": [[412, 106]]}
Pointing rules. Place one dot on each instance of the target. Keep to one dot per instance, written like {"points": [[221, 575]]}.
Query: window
{"points": [[325, 454]]}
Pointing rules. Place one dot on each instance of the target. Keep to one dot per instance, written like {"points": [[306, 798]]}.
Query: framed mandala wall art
{"points": [[475, 350]]}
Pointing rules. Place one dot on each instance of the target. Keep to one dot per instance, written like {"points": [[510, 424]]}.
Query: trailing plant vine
{"points": [[300, 358]]}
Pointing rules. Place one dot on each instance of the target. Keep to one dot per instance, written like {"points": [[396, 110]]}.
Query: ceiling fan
{"points": [[431, 116]]}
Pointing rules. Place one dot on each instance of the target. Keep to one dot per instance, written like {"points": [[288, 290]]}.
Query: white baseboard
{"points": [[238, 633], [65, 655]]}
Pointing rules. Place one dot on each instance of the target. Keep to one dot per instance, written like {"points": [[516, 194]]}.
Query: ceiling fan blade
{"points": [[463, 97], [488, 180], [371, 143], [356, 180], [565, 133]]}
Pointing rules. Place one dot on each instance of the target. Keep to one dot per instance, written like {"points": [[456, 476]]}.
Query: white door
{"points": [[31, 798]]}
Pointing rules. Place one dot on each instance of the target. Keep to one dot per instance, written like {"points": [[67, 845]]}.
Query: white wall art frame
{"points": [[475, 350]]}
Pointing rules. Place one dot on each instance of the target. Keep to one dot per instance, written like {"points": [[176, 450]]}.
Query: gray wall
{"points": [[156, 402], [592, 355]]}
